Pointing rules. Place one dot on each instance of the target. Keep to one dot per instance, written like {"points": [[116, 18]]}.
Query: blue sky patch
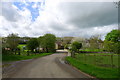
{"points": [[29, 5]]}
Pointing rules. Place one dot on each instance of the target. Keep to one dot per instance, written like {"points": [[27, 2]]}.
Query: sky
{"points": [[77, 19]]}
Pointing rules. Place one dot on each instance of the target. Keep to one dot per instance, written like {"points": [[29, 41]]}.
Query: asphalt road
{"points": [[51, 66]]}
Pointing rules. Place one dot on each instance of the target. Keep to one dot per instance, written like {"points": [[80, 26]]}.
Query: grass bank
{"points": [[22, 57], [98, 72]]}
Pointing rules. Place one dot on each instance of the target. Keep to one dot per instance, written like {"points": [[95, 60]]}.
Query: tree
{"points": [[40, 40], [13, 41], [112, 41], [66, 46], [75, 46], [32, 44], [113, 36], [48, 42], [108, 45], [95, 42]]}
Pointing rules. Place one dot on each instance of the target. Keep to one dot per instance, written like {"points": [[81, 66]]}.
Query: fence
{"points": [[102, 60]]}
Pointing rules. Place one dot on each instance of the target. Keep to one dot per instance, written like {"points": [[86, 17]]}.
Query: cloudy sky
{"points": [[79, 19]]}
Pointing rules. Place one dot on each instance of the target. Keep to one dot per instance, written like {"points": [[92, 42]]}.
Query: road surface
{"points": [[51, 66]]}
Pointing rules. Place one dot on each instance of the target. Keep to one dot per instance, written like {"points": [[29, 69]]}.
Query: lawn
{"points": [[98, 72], [22, 57], [21, 46], [99, 59], [92, 50], [100, 65]]}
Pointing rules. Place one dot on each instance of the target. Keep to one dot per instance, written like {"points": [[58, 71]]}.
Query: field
{"points": [[99, 59], [100, 65], [21, 46], [92, 50]]}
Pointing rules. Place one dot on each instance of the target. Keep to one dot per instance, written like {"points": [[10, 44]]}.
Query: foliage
{"points": [[13, 40], [108, 45], [75, 46], [48, 42], [40, 40], [66, 46], [112, 41], [113, 36], [116, 48], [95, 42], [32, 44], [22, 47]]}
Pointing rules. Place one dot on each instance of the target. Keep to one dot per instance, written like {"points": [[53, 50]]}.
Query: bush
{"points": [[66, 46], [112, 41], [75, 46]]}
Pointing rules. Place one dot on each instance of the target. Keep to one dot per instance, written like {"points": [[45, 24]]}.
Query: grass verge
{"points": [[92, 50], [98, 72], [22, 57]]}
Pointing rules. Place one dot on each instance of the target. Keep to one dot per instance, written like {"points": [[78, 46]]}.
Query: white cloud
{"points": [[35, 5], [9, 12], [59, 19]]}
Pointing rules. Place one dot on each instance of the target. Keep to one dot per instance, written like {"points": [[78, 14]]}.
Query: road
{"points": [[51, 66]]}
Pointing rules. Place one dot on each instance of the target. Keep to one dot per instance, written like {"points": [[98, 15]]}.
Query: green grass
{"points": [[92, 50], [22, 57], [103, 59], [21, 46], [96, 71]]}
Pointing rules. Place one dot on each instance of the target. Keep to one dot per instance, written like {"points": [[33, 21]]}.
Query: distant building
{"points": [[62, 41]]}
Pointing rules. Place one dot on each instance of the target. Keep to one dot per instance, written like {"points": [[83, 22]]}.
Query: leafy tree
{"points": [[95, 42], [116, 48], [66, 46], [40, 39], [48, 42], [113, 36], [13, 41], [75, 46], [112, 41], [109, 45], [32, 44]]}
